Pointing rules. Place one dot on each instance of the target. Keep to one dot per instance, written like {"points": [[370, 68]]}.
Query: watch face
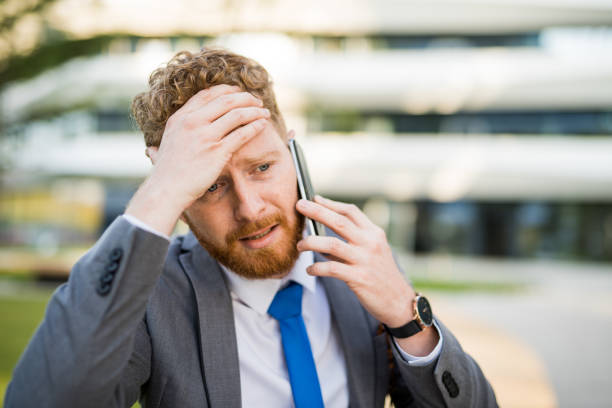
{"points": [[424, 310]]}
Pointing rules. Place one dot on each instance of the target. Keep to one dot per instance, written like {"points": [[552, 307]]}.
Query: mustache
{"points": [[254, 226]]}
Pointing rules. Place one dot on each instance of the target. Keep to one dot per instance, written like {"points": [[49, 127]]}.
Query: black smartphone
{"points": [[304, 185]]}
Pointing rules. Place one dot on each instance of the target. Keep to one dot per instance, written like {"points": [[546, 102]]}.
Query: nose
{"points": [[249, 203]]}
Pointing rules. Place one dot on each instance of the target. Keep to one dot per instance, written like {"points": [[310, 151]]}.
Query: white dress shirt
{"points": [[264, 379]]}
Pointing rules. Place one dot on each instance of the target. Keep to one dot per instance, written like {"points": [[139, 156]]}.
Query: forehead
{"points": [[267, 143]]}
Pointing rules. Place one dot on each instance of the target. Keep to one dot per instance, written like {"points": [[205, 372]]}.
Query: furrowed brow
{"points": [[250, 161]]}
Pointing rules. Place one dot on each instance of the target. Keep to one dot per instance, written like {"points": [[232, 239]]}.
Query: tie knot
{"points": [[287, 302]]}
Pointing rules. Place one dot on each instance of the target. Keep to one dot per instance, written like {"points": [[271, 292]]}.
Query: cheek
{"points": [[290, 189], [280, 192], [212, 229]]}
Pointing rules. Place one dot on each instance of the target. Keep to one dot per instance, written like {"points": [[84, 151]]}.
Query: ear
{"points": [[151, 153]]}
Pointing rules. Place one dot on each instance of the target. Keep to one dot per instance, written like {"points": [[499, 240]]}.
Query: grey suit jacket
{"points": [[141, 319]]}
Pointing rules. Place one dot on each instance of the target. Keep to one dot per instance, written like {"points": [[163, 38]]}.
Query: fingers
{"points": [[239, 137], [330, 245], [350, 211], [227, 102], [332, 269], [205, 96], [341, 224], [222, 108], [237, 117]]}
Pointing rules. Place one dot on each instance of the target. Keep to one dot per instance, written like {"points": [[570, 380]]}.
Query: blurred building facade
{"points": [[477, 128]]}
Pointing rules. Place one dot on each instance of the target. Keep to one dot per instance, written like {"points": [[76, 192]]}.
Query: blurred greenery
{"points": [[429, 285], [19, 317], [46, 46], [49, 55], [13, 14]]}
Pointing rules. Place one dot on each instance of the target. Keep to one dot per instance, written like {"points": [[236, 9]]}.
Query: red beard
{"points": [[275, 260]]}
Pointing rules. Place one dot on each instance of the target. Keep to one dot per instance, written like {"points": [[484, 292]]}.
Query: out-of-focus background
{"points": [[477, 133]]}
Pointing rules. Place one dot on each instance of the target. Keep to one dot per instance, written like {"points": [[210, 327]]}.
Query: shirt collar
{"points": [[258, 294]]}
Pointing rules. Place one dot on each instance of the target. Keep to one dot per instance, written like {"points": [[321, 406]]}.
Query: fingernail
{"points": [[267, 111], [302, 203]]}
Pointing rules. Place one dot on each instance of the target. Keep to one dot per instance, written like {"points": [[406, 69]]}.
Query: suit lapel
{"points": [[219, 350], [355, 338]]}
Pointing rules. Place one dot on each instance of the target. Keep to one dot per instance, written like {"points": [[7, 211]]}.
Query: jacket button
{"points": [[450, 384], [106, 278], [116, 254], [111, 267], [103, 289]]}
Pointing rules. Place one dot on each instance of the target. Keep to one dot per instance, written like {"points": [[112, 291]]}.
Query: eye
{"points": [[264, 167], [213, 187]]}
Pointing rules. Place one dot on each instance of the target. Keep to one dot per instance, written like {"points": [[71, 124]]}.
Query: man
{"points": [[243, 310]]}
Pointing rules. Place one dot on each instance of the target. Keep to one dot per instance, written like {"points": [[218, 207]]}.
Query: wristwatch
{"points": [[423, 317]]}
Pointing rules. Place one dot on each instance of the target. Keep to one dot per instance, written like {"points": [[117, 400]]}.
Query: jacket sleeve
{"points": [[453, 380], [82, 354]]}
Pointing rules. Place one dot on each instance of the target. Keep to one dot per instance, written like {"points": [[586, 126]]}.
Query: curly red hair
{"points": [[187, 73]]}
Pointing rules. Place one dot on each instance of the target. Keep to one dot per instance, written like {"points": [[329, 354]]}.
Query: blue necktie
{"points": [[287, 309]]}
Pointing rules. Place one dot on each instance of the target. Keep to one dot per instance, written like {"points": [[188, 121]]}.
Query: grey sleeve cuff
{"points": [[136, 222]]}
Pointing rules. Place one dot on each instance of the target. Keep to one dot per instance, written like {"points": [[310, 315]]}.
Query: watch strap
{"points": [[407, 330]]}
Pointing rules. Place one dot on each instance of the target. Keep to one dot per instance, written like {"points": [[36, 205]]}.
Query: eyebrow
{"points": [[249, 161]]}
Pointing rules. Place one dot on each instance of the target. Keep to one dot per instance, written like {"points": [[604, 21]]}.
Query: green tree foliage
{"points": [[21, 28], [24, 56], [49, 55]]}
